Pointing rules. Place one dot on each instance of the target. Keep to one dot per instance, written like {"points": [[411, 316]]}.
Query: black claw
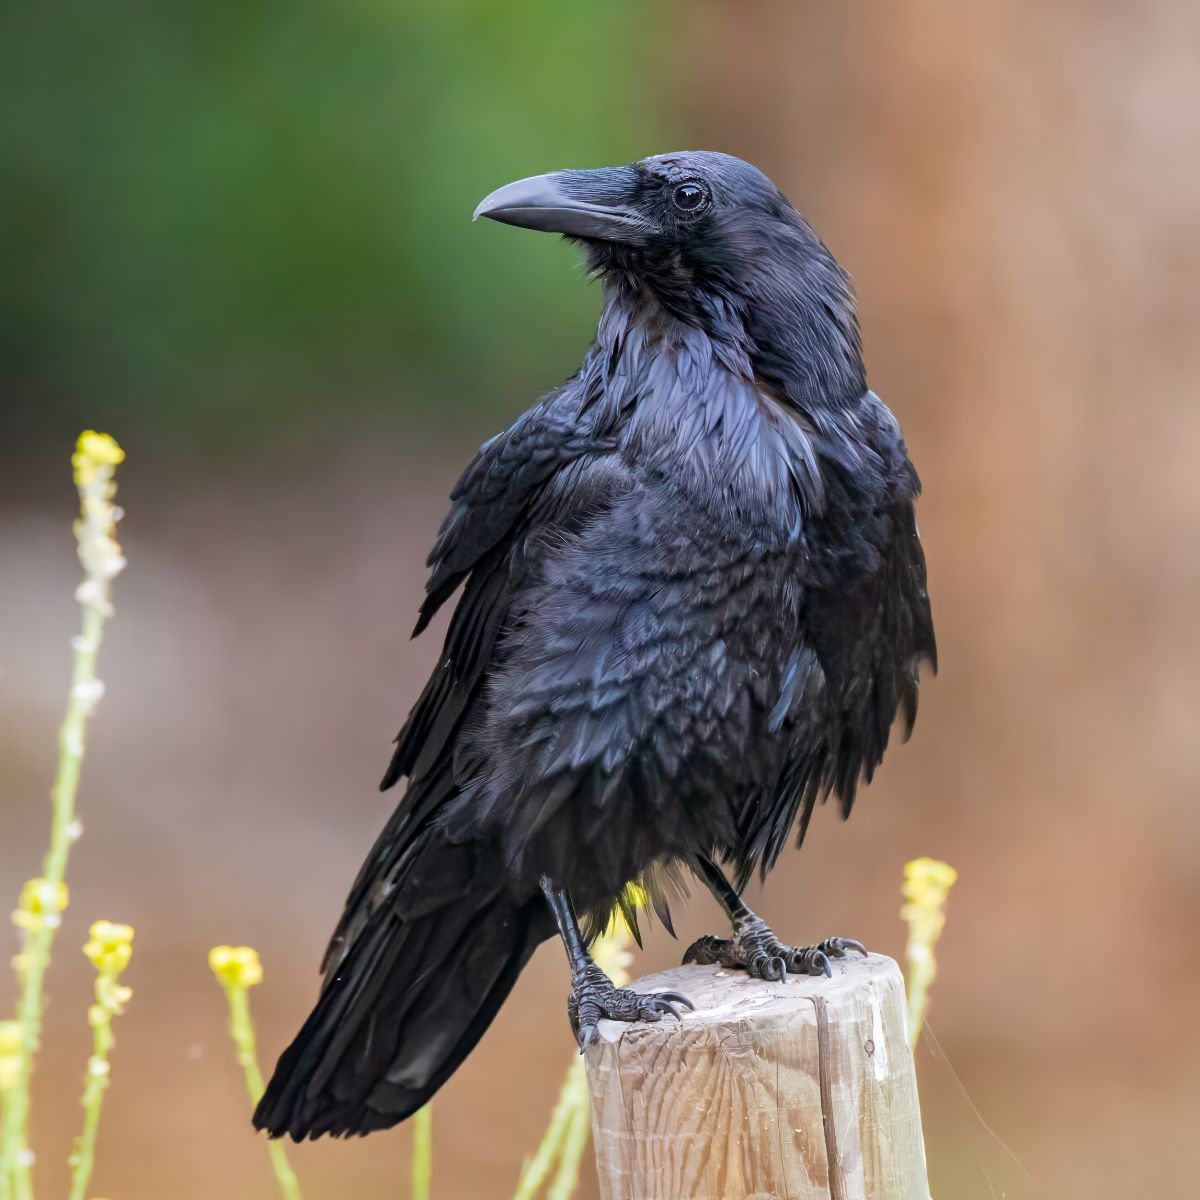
{"points": [[595, 998], [769, 968], [676, 997], [707, 951], [756, 950], [837, 947]]}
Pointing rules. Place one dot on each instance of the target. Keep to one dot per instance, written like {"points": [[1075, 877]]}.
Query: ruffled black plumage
{"points": [[693, 604]]}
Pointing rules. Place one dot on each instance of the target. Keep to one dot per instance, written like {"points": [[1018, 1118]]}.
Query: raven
{"points": [[693, 604]]}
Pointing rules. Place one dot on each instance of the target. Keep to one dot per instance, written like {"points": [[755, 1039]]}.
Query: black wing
{"points": [[532, 482]]}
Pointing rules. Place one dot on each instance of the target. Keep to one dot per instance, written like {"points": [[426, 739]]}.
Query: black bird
{"points": [[693, 605]]}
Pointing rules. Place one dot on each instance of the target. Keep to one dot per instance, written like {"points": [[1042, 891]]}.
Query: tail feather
{"points": [[405, 1005]]}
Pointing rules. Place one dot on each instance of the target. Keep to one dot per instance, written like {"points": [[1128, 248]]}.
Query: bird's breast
{"points": [[727, 451]]}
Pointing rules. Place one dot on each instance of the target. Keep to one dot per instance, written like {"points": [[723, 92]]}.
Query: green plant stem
{"points": [[537, 1169], [241, 1029], [95, 459], [83, 1156], [35, 956], [574, 1142], [566, 1136], [422, 1164], [5, 1172], [921, 971]]}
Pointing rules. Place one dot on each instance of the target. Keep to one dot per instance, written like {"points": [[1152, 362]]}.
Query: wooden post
{"points": [[803, 1089]]}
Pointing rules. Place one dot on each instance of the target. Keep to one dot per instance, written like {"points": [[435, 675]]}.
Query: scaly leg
{"points": [[753, 946], [593, 994]]}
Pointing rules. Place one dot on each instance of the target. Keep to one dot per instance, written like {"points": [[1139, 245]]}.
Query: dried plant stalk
{"points": [[39, 911]]}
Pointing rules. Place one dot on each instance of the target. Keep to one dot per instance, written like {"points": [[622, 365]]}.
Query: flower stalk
{"points": [[109, 948], [238, 969], [562, 1145], [10, 1071], [422, 1164], [927, 883], [574, 1137], [537, 1169], [38, 915]]}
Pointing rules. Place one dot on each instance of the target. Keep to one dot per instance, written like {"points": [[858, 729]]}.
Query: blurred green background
{"points": [[224, 216], [237, 237]]}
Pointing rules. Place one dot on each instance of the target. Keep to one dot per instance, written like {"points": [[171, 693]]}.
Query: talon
{"points": [[770, 968], [707, 951], [665, 1006], [596, 998], [838, 946], [755, 949], [677, 998]]}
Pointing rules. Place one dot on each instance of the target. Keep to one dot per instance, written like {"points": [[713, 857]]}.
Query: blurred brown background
{"points": [[237, 240]]}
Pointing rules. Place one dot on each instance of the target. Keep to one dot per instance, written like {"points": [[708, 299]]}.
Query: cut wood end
{"points": [[726, 996]]}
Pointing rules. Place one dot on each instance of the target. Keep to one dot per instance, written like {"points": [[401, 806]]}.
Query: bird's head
{"points": [[713, 242]]}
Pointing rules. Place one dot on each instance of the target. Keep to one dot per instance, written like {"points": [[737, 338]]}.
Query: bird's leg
{"points": [[753, 946], [593, 994]]}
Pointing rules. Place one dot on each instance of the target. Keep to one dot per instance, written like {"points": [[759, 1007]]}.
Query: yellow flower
{"points": [[109, 947], [236, 966], [928, 881], [94, 452], [41, 897], [40, 904]]}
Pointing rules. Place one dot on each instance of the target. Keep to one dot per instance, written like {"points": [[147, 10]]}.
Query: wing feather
{"points": [[537, 480]]}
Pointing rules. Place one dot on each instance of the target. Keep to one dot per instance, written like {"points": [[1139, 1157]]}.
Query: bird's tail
{"points": [[417, 988]]}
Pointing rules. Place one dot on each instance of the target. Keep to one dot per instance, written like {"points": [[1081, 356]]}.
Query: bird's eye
{"points": [[690, 197]]}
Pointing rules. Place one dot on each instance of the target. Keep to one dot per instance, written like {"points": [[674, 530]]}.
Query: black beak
{"points": [[585, 204]]}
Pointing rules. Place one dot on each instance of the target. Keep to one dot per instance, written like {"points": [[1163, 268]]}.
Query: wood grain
{"points": [[803, 1089]]}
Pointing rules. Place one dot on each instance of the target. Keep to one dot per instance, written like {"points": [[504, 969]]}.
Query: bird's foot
{"points": [[755, 949], [594, 996]]}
